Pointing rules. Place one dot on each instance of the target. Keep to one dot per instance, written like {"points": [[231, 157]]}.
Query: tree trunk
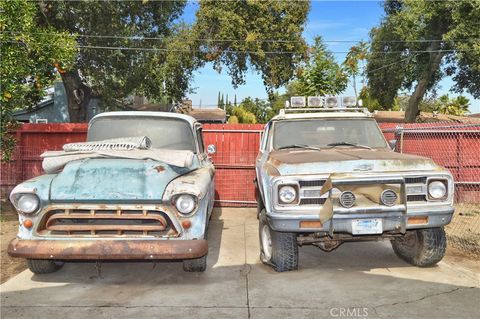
{"points": [[78, 96], [433, 64], [355, 88]]}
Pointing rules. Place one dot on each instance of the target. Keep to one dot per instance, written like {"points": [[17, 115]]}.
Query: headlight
{"points": [[437, 190], [185, 204], [27, 203], [287, 194]]}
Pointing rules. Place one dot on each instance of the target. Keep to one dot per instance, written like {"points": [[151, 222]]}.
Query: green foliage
{"points": [[405, 57], [241, 115], [29, 57], [240, 34], [446, 105], [356, 54], [163, 71], [368, 101], [320, 74], [233, 119]]}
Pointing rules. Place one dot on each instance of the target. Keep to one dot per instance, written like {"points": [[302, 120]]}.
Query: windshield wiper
{"points": [[300, 146], [348, 144]]}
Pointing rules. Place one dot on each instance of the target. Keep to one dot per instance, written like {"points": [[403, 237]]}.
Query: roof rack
{"points": [[326, 110]]}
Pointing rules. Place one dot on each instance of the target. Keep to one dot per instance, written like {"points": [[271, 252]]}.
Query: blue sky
{"points": [[333, 20]]}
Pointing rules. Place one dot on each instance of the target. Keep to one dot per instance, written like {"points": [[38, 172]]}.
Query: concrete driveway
{"points": [[362, 280]]}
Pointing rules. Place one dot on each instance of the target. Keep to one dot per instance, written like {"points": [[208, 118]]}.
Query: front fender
{"points": [[198, 183]]}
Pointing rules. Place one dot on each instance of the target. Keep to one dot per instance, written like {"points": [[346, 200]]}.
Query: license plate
{"points": [[367, 226]]}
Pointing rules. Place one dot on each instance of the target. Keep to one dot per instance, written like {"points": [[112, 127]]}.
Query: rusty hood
{"points": [[336, 160], [113, 179]]}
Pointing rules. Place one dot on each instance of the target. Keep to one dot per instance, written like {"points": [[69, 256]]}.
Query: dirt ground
{"points": [[8, 230]]}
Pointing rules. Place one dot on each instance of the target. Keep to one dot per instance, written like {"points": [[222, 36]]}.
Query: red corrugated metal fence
{"points": [[456, 147]]}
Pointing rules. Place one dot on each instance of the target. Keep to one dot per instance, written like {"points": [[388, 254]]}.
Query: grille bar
{"points": [[71, 222]]}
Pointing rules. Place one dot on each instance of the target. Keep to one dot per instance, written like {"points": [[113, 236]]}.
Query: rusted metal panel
{"points": [[108, 249]]}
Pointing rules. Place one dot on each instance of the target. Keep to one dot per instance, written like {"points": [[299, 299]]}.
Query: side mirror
{"points": [[393, 144], [211, 149]]}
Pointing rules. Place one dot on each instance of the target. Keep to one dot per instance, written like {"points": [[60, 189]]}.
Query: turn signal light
{"points": [[27, 223], [186, 224], [418, 220], [310, 224]]}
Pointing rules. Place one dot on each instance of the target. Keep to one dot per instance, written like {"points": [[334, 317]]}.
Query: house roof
{"points": [[398, 117], [208, 115]]}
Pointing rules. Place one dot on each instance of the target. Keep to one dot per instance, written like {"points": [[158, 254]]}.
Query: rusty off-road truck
{"points": [[327, 176]]}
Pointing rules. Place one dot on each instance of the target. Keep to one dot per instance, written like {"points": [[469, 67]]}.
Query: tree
{"points": [[420, 42], [446, 105], [30, 57], [263, 35], [320, 74], [131, 47], [351, 64]]}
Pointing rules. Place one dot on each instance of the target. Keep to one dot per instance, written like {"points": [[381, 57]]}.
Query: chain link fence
{"points": [[457, 148]]}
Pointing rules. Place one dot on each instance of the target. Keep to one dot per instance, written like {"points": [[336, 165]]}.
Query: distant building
{"points": [[54, 109], [203, 115]]}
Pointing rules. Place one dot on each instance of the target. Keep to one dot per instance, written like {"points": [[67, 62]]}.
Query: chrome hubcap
{"points": [[266, 242]]}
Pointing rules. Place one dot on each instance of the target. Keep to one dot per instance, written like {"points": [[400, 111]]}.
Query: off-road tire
{"points": [[421, 247], [195, 265], [284, 255], [43, 266]]}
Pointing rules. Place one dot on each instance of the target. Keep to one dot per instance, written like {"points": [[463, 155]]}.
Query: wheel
{"points": [[421, 247], [195, 265], [277, 249], [43, 266]]}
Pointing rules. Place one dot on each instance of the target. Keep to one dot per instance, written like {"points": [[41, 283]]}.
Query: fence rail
{"points": [[454, 146]]}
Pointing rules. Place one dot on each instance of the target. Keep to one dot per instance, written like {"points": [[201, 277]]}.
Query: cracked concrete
{"points": [[362, 280]]}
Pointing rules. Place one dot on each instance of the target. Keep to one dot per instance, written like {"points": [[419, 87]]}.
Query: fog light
{"points": [[388, 197], [347, 199]]}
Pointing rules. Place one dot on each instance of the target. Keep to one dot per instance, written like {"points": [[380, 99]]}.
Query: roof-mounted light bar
{"points": [[323, 101]]}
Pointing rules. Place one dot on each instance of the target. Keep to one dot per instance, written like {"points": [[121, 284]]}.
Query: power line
{"points": [[388, 65], [141, 38], [124, 48]]}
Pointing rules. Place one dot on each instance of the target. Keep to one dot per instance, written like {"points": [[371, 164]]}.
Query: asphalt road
{"points": [[358, 280]]}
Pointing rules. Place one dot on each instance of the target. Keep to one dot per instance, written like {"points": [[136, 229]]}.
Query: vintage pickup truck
{"points": [[140, 188], [327, 176]]}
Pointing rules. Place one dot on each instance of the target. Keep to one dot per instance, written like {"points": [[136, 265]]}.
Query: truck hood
{"points": [[119, 179], [339, 160]]}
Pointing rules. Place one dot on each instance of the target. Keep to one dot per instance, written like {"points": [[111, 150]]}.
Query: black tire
{"points": [[260, 204], [421, 247], [195, 265], [43, 266], [284, 248]]}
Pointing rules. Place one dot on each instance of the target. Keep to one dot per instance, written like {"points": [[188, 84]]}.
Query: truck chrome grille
{"points": [[106, 223]]}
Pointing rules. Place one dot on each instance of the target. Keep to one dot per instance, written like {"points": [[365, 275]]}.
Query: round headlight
{"points": [[185, 204], [287, 194], [437, 190], [28, 203]]}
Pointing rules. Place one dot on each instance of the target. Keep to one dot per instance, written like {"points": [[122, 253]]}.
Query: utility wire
{"points": [[124, 48], [141, 38], [396, 62]]}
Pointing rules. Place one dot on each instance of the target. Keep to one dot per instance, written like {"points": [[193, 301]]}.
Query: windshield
{"points": [[164, 132], [325, 133]]}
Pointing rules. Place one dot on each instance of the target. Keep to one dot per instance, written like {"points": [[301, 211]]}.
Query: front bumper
{"points": [[342, 223], [108, 249]]}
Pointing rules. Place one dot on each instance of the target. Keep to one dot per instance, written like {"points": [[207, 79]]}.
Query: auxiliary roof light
{"points": [[315, 101], [297, 101], [331, 101], [349, 101]]}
